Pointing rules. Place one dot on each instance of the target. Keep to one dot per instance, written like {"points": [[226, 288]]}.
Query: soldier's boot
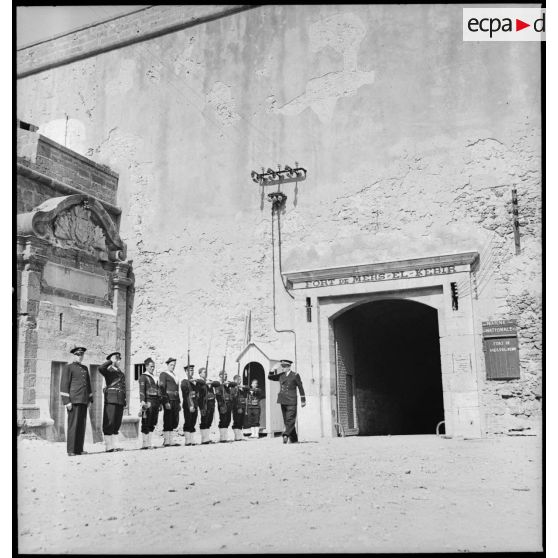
{"points": [[205, 436], [237, 434], [150, 441], [174, 441], [108, 443], [166, 441], [189, 438], [222, 434], [115, 443], [255, 432], [144, 441]]}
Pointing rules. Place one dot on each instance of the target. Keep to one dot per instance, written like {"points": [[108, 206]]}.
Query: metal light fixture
{"points": [[270, 177]]}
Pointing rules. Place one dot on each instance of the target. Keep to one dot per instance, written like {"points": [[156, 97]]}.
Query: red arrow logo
{"points": [[519, 25]]}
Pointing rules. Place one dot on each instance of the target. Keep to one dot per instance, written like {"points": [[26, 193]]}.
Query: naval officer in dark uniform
{"points": [[150, 401], [239, 405], [289, 382], [76, 393], [168, 383], [224, 405], [115, 400], [253, 410], [189, 405], [206, 402]]}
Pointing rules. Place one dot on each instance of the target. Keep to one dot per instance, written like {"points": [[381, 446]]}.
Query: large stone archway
{"points": [[388, 369], [432, 282]]}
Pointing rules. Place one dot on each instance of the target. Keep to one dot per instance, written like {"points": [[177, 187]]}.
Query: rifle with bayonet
{"points": [[192, 390]]}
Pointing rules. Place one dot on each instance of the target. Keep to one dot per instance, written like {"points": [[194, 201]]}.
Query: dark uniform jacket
{"points": [[149, 390], [223, 394], [239, 396], [206, 392], [75, 384], [254, 396], [169, 387], [115, 390], [288, 384], [189, 394]]}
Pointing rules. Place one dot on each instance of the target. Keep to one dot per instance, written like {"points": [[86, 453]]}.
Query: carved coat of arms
{"points": [[75, 229]]}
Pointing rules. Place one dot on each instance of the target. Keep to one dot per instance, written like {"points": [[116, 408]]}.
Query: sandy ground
{"points": [[358, 494]]}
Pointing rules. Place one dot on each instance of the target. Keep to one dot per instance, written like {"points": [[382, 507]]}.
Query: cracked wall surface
{"points": [[412, 141]]}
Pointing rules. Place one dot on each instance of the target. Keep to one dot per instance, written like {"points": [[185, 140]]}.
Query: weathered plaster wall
{"points": [[412, 139]]}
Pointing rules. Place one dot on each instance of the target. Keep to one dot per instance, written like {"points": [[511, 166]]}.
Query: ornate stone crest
{"points": [[74, 228], [77, 221]]}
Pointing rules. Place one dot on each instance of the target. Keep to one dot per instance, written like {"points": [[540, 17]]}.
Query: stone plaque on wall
{"points": [[461, 363], [74, 280]]}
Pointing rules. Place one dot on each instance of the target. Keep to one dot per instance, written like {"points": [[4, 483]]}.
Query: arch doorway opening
{"points": [[389, 378]]}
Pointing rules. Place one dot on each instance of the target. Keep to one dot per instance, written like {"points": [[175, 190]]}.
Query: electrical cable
{"points": [[273, 268], [279, 252]]}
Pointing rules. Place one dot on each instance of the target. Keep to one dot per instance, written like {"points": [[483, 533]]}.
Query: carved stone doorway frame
{"points": [[330, 292]]}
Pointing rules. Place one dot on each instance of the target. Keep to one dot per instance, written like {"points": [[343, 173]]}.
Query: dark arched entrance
{"points": [[389, 378]]}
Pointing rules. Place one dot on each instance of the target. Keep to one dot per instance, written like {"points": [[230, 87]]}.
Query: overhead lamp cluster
{"points": [[280, 176]]}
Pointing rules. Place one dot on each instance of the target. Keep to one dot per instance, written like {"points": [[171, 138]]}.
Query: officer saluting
{"points": [[150, 401], [286, 397], [75, 390], [115, 399], [189, 405], [168, 384]]}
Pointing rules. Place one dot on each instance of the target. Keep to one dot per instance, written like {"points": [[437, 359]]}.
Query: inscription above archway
{"points": [[385, 271]]}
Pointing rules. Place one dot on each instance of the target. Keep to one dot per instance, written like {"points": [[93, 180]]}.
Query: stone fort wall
{"points": [[413, 141]]}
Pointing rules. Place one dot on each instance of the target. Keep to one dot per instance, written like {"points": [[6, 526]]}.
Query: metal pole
{"points": [[515, 211]]}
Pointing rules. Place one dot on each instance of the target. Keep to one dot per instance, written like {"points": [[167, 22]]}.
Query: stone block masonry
{"points": [[41, 154], [71, 280]]}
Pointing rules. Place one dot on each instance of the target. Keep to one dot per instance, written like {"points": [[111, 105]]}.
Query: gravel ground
{"points": [[358, 494]]}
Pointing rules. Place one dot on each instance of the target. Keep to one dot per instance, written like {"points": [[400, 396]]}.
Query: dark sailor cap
{"points": [[169, 360], [189, 366], [115, 353], [148, 360], [78, 350]]}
